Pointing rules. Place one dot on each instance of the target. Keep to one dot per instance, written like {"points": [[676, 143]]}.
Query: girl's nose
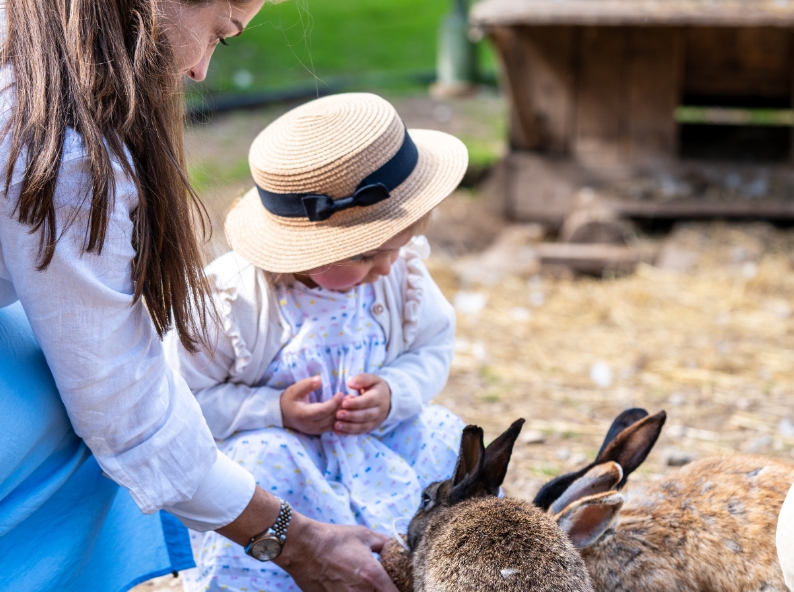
{"points": [[382, 265]]}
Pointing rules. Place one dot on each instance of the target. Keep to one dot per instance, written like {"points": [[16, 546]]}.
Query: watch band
{"points": [[279, 528], [282, 521]]}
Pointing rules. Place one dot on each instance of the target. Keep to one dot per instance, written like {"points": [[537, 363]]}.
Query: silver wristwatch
{"points": [[268, 545]]}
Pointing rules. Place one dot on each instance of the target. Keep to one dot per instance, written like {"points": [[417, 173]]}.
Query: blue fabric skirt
{"points": [[63, 525]]}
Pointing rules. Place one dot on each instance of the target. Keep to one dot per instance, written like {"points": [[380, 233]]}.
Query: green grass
{"points": [[209, 173], [368, 44]]}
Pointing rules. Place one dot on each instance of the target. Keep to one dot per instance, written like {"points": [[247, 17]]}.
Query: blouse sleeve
{"points": [[136, 415], [417, 375], [246, 336]]}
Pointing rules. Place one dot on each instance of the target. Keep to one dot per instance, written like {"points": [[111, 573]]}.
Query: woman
{"points": [[97, 244]]}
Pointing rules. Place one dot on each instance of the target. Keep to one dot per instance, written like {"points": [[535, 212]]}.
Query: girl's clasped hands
{"points": [[343, 414]]}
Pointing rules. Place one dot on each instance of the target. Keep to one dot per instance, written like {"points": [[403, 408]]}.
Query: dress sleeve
{"points": [[222, 379], [417, 375], [137, 416]]}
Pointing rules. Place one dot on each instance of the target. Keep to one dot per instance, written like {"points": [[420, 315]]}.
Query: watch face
{"points": [[266, 549]]}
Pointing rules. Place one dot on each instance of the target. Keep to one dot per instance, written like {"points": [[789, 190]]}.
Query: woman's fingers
{"points": [[376, 540]]}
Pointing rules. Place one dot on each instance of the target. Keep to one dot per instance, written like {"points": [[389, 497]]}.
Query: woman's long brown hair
{"points": [[104, 68]]}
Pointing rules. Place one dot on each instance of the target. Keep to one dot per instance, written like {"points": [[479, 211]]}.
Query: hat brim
{"points": [[291, 245]]}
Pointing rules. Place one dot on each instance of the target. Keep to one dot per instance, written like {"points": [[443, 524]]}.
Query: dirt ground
{"points": [[712, 342]]}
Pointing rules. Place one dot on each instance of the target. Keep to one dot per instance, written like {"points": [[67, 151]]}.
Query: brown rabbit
{"points": [[465, 539], [709, 527]]}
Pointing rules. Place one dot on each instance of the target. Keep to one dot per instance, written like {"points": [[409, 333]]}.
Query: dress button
{"points": [[377, 309]]}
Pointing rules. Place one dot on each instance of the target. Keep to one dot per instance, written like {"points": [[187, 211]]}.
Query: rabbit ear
{"points": [[585, 520], [631, 446], [552, 490], [599, 479], [497, 457], [626, 419], [469, 465]]}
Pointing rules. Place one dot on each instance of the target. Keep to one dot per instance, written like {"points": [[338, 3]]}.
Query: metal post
{"points": [[457, 58]]}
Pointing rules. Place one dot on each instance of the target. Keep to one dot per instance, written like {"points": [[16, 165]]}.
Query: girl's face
{"points": [[194, 29], [363, 269]]}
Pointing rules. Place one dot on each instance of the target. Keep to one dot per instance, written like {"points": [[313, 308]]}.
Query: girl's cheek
{"points": [[340, 277]]}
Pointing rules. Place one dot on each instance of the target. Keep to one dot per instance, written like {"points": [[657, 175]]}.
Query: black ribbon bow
{"points": [[375, 188], [322, 207]]}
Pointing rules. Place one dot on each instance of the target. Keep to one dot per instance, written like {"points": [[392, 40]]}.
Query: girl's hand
{"points": [[308, 418], [365, 412]]}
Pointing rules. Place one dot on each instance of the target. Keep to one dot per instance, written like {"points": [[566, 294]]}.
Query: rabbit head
{"points": [[628, 443], [707, 526], [479, 472], [584, 502], [466, 539]]}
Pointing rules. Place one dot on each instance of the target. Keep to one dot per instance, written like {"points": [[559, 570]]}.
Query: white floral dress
{"points": [[371, 479]]}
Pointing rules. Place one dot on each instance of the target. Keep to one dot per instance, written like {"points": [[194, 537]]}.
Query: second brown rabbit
{"points": [[708, 527]]}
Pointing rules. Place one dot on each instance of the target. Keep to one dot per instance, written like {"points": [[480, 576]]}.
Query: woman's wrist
{"points": [[259, 515], [300, 540]]}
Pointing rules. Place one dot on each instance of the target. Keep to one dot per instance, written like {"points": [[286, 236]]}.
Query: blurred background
{"points": [[623, 236], [342, 44]]}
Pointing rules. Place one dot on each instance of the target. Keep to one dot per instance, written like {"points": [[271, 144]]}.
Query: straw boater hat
{"points": [[338, 177]]}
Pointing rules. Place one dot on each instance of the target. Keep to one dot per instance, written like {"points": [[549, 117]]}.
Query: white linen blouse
{"points": [[134, 412]]}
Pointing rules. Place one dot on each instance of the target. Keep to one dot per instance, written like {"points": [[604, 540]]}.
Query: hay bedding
{"points": [[713, 345]]}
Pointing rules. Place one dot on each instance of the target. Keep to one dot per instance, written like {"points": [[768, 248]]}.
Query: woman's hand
{"points": [[365, 412], [319, 557], [332, 558], [298, 414]]}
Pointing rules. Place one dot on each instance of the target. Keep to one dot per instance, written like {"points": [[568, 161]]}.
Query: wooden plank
{"points": [[524, 132], [722, 13], [757, 209], [546, 190], [551, 54], [655, 76], [601, 136], [594, 258], [738, 62]]}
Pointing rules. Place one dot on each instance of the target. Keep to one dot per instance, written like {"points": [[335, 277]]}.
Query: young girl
{"points": [[331, 338]]}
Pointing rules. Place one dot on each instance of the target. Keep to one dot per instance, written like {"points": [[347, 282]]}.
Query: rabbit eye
{"points": [[427, 501]]}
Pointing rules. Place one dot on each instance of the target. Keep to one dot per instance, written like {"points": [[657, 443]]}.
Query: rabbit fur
{"points": [[708, 527], [466, 539]]}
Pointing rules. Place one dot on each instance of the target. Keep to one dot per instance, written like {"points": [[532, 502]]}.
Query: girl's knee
{"points": [[441, 417], [259, 445]]}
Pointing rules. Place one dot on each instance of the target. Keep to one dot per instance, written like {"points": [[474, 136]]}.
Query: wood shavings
{"points": [[720, 341]]}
